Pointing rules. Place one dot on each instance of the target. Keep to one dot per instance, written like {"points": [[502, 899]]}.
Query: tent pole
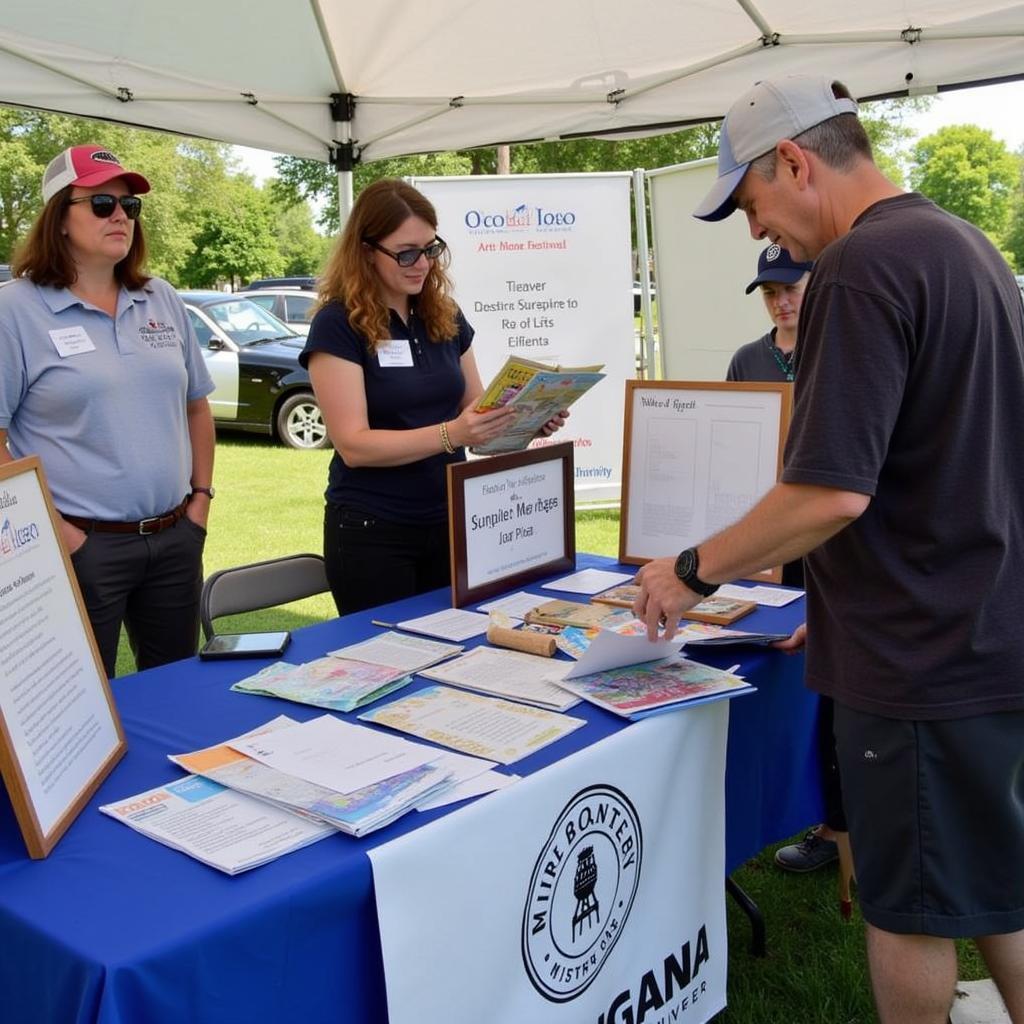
{"points": [[344, 196], [648, 368], [343, 154]]}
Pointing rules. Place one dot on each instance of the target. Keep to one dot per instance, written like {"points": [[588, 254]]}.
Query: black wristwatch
{"points": [[687, 565], [208, 491]]}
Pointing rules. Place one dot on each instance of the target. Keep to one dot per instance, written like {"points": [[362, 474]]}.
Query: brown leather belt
{"points": [[154, 524]]}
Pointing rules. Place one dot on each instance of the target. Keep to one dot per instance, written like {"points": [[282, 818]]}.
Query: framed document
{"points": [[59, 731], [697, 456], [511, 520]]}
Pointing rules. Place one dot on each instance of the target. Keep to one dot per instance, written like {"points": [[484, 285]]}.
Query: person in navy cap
{"points": [[903, 486], [782, 281]]}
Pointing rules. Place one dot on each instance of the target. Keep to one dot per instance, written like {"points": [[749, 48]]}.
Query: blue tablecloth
{"points": [[116, 929]]}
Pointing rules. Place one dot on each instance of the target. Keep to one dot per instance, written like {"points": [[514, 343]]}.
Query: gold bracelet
{"points": [[446, 441]]}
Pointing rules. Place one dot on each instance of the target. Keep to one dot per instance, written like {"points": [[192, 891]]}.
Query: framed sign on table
{"points": [[697, 456], [511, 520], [60, 734]]}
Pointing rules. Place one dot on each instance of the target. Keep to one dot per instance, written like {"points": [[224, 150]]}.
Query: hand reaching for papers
{"points": [[663, 599], [795, 643]]}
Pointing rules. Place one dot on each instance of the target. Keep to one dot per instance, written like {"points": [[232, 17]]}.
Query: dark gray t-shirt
{"points": [[911, 389], [756, 361]]}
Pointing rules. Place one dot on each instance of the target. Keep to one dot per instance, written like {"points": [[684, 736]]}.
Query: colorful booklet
{"points": [[537, 391], [705, 634], [656, 686], [720, 610], [339, 684], [356, 813]]}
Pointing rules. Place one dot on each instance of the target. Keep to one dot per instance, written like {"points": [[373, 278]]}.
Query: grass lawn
{"points": [[269, 503]]}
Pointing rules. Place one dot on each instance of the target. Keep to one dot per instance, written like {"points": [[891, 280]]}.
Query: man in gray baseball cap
{"points": [[904, 488]]}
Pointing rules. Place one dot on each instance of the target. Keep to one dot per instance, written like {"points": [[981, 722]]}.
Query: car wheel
{"points": [[299, 423]]}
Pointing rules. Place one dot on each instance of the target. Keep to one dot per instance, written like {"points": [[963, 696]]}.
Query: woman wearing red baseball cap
{"points": [[101, 376]]}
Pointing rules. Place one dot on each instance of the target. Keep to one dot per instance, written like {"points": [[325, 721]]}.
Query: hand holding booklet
{"points": [[537, 392]]}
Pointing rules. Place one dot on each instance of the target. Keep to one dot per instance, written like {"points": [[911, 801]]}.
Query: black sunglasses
{"points": [[103, 205], [408, 257]]}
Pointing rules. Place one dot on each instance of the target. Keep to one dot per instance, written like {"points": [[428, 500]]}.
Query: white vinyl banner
{"points": [[589, 893], [542, 270]]}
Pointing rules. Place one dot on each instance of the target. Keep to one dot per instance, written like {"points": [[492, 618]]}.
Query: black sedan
{"points": [[254, 360]]}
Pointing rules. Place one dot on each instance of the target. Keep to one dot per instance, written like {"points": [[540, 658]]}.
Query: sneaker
{"points": [[811, 853]]}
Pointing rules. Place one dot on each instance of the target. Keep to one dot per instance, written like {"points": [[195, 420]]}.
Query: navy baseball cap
{"points": [[761, 118], [776, 265]]}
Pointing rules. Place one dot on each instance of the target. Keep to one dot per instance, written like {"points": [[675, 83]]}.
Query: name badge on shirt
{"points": [[69, 341], [394, 352]]}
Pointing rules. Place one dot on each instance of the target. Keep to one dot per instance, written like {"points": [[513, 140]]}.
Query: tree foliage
{"points": [[194, 188], [969, 172]]}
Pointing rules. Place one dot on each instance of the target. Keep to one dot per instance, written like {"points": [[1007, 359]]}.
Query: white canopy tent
{"points": [[347, 80]]}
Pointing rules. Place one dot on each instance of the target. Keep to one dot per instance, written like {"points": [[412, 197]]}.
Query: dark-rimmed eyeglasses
{"points": [[409, 257], [103, 205]]}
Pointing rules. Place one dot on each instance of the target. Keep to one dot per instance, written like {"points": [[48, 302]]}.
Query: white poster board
{"points": [[511, 520], [542, 269], [702, 271], [590, 891], [59, 730], [698, 457]]}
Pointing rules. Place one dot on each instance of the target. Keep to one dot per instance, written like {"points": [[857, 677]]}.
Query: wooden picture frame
{"points": [[52, 680], [681, 441], [511, 520]]}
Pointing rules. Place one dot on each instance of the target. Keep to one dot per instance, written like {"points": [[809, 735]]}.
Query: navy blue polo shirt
{"points": [[397, 398]]}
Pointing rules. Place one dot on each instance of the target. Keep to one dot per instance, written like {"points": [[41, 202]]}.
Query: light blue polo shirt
{"points": [[101, 401]]}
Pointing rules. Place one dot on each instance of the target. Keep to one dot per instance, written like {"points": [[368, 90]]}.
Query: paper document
{"points": [[356, 813], [488, 782], [228, 831], [512, 674], [407, 653], [609, 649], [339, 755], [773, 597], [588, 581], [451, 624], [515, 606], [484, 726]]}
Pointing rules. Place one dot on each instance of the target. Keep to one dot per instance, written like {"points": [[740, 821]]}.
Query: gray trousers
{"points": [[150, 584]]}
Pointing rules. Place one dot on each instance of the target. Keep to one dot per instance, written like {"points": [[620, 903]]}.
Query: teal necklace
{"points": [[785, 362]]}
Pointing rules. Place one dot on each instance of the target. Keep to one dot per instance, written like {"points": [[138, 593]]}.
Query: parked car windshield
{"points": [[245, 323]]}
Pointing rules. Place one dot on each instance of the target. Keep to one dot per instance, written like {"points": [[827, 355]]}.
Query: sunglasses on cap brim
{"points": [[103, 205]]}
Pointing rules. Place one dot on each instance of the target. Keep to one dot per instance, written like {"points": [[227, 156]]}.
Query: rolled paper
{"points": [[517, 640]]}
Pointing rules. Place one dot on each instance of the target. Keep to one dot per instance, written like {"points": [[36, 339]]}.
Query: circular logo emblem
{"points": [[772, 252], [581, 892]]}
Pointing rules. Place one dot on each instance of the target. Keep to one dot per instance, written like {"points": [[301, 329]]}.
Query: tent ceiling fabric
{"points": [[453, 74]]}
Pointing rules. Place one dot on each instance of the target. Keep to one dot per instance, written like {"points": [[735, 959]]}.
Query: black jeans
{"points": [[372, 562], [151, 584]]}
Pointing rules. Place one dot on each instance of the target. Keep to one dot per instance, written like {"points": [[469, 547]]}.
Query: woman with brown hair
{"points": [[389, 353], [102, 378]]}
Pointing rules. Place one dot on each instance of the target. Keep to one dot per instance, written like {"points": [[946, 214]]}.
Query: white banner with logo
{"points": [[542, 269], [589, 893]]}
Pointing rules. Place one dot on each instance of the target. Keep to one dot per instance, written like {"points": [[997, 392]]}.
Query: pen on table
{"points": [[386, 625]]}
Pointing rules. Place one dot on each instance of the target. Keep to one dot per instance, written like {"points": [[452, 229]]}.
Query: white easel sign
{"points": [[59, 731]]}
